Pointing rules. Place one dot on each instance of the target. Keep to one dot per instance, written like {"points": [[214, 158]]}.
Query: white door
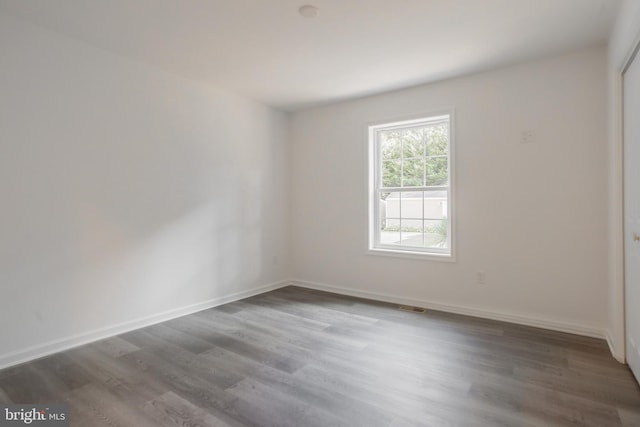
{"points": [[631, 115]]}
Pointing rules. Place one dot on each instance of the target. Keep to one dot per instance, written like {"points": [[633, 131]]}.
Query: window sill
{"points": [[424, 256]]}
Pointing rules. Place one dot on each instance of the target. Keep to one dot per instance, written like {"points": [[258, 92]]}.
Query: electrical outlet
{"points": [[481, 279]]}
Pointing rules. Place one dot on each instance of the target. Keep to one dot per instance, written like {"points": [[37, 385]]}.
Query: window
{"points": [[410, 196]]}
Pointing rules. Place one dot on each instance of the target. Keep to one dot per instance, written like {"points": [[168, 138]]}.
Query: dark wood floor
{"points": [[296, 357]]}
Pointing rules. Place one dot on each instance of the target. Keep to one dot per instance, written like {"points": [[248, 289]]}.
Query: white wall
{"points": [[126, 192], [623, 39], [531, 216]]}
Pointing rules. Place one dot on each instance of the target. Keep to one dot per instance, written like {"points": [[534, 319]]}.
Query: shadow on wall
{"points": [[199, 256], [109, 266], [126, 191]]}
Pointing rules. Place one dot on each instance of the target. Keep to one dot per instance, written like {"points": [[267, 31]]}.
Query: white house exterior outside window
{"points": [[410, 187]]}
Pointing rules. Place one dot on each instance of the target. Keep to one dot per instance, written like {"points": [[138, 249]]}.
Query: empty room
{"points": [[365, 213]]}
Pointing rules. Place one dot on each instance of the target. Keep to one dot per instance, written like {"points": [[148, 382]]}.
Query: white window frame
{"points": [[374, 247]]}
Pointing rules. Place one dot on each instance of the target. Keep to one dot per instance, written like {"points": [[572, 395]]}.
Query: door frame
{"points": [[618, 342]]}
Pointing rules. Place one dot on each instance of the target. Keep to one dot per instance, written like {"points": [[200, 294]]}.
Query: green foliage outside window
{"points": [[415, 157]]}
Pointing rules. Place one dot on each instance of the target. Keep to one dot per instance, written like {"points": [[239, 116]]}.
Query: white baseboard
{"points": [[554, 325], [46, 349], [612, 347]]}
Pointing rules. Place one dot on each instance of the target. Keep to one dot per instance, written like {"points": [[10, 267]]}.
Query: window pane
{"points": [[412, 232], [390, 218], [390, 237], [390, 143], [392, 224], [411, 204], [437, 173], [391, 173], [414, 219], [392, 206], [436, 233], [411, 226], [413, 143], [437, 140], [382, 211], [435, 205], [413, 173]]}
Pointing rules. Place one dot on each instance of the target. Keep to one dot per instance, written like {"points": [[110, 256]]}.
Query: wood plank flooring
{"points": [[297, 357]]}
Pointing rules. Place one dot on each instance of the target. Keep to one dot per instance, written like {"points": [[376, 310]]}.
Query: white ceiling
{"points": [[265, 50]]}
